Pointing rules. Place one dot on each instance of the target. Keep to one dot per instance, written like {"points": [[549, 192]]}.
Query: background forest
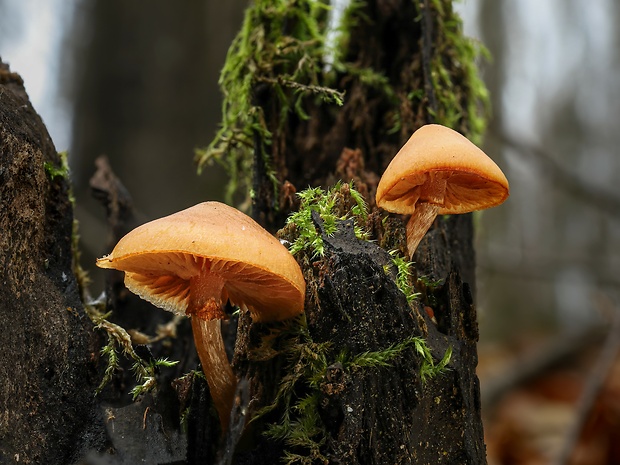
{"points": [[139, 84]]}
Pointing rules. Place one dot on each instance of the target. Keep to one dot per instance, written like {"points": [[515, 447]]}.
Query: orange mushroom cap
{"points": [[473, 180], [160, 257]]}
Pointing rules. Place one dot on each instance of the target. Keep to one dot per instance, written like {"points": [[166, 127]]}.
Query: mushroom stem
{"points": [[431, 198], [205, 297], [215, 365], [205, 307], [420, 222]]}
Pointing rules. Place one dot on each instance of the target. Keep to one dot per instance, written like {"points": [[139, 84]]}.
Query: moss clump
{"points": [[297, 399], [120, 340], [54, 171], [462, 98], [341, 202], [383, 358], [440, 79], [277, 54]]}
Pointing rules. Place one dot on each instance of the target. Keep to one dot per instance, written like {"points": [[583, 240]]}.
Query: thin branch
{"points": [[545, 272], [600, 198]]}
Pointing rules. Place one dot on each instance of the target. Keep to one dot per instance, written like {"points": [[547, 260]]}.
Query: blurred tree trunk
{"points": [[145, 92], [498, 288]]}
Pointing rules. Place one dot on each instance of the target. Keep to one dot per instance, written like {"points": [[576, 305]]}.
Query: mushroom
{"points": [[193, 262], [439, 171]]}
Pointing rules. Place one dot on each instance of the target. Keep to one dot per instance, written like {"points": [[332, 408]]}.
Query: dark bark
{"points": [[387, 414], [47, 373]]}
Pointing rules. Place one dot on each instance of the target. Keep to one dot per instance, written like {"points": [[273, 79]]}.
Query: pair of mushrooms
{"points": [[194, 261]]}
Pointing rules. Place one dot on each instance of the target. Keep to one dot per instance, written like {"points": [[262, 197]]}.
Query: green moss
{"points": [[403, 275], [300, 425], [462, 98], [275, 69], [383, 358], [297, 400], [341, 202], [54, 171], [119, 340], [278, 52]]}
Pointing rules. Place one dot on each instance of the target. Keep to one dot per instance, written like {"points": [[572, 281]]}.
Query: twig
{"points": [[544, 271], [592, 389], [600, 198]]}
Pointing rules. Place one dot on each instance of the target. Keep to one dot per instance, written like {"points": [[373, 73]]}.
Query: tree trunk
{"points": [[47, 371], [145, 95], [373, 415]]}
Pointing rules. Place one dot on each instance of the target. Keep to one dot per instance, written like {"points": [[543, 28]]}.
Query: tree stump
{"points": [[48, 413]]}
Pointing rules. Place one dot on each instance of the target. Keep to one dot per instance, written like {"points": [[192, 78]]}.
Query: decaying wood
{"points": [[47, 372], [388, 415], [379, 415]]}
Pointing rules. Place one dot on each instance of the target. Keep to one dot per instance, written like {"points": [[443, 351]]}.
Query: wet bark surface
{"points": [[389, 415], [380, 415]]}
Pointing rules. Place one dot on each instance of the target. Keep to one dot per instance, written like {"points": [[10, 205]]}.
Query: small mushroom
{"points": [[439, 171], [193, 262]]}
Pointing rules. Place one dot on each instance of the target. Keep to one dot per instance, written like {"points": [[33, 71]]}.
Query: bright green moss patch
{"points": [[119, 340], [331, 205], [403, 275]]}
